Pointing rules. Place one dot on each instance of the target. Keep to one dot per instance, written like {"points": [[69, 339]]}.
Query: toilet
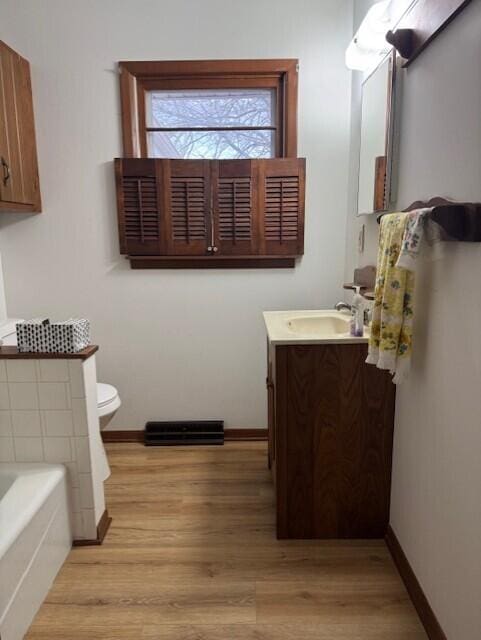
{"points": [[108, 399]]}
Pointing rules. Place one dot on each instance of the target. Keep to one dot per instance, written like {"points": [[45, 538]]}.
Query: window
{"points": [[210, 175], [236, 109], [211, 123]]}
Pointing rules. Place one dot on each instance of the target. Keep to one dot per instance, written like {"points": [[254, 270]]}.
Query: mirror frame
{"points": [[383, 180]]}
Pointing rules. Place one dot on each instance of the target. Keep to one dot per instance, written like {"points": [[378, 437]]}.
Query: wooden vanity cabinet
{"points": [[19, 183], [331, 422]]}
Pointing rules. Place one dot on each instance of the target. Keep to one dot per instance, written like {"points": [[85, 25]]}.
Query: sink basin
{"points": [[310, 327], [319, 325]]}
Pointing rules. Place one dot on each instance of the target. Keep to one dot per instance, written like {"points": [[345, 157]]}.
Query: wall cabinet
{"points": [[19, 183], [211, 212], [330, 441]]}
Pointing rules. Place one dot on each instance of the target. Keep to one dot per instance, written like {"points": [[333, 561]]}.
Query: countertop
{"points": [[12, 353]]}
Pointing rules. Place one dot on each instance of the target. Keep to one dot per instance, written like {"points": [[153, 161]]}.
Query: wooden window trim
{"points": [[137, 77]]}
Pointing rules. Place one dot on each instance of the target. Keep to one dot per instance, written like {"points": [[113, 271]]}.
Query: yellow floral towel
{"points": [[390, 342]]}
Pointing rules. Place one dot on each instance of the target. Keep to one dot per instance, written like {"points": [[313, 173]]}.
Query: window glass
{"points": [[224, 124], [222, 145]]}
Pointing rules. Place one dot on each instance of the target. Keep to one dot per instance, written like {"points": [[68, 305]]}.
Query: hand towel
{"points": [[421, 232], [390, 341], [412, 239]]}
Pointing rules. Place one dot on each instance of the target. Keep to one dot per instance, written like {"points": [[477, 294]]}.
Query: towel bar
{"points": [[460, 220]]}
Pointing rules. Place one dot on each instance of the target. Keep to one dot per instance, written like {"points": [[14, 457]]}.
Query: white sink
{"points": [[332, 325], [309, 327]]}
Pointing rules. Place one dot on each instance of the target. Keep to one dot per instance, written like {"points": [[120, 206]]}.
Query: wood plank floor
{"points": [[192, 555]]}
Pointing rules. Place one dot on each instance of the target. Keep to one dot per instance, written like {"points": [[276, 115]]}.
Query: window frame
{"points": [[138, 77]]}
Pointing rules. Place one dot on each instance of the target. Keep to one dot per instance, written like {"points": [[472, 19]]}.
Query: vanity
{"points": [[330, 423]]}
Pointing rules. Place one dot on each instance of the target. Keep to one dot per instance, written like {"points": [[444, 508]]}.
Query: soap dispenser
{"points": [[357, 314]]}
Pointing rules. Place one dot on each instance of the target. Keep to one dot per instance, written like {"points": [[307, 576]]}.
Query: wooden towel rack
{"points": [[460, 220]]}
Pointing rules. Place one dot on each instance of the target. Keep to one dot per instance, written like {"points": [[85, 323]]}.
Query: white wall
{"points": [[177, 344], [436, 503]]}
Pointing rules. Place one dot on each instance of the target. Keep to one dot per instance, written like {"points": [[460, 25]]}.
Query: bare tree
{"points": [[220, 115]]}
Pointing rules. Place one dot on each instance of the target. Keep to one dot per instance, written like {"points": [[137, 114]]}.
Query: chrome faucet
{"points": [[342, 305]]}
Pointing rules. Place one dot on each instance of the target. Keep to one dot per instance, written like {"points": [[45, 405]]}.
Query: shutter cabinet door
{"points": [[281, 206], [188, 206], [234, 187], [139, 199]]}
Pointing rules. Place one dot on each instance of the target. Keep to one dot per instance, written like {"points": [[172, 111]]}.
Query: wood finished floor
{"points": [[192, 555]]}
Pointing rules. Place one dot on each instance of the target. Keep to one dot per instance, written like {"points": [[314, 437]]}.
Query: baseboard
{"points": [[414, 589], [245, 434], [102, 528], [229, 434], [123, 436]]}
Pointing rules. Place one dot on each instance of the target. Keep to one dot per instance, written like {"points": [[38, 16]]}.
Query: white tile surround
{"points": [[48, 413]]}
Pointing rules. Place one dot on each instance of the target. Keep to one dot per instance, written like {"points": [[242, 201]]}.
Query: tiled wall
{"points": [[48, 414]]}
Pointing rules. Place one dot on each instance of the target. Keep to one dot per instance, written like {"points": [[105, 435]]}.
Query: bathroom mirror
{"points": [[375, 155]]}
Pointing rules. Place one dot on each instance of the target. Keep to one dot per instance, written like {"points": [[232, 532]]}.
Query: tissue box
{"points": [[42, 336]]}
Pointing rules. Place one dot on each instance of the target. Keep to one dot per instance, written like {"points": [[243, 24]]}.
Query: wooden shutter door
{"points": [[188, 206], [234, 187], [139, 198], [281, 206]]}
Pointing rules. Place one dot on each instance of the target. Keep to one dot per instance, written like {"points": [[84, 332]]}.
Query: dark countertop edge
{"points": [[12, 353]]}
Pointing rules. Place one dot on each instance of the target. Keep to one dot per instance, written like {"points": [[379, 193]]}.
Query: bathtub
{"points": [[35, 538]]}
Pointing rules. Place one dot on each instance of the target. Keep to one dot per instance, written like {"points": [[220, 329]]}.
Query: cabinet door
{"points": [[12, 184], [18, 156], [140, 199], [234, 189], [163, 206], [187, 205], [281, 206]]}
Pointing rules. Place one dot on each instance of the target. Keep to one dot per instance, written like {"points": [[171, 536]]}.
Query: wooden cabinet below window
{"points": [[19, 184], [211, 213]]}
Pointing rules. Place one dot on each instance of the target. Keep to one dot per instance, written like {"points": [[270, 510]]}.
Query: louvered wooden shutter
{"points": [[188, 206], [209, 209], [281, 197], [139, 206], [235, 210]]}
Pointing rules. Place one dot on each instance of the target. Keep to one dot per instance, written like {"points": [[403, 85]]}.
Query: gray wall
{"points": [[177, 344], [436, 504]]}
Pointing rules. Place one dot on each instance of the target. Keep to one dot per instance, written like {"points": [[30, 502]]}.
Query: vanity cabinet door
{"points": [[334, 417], [19, 184]]}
